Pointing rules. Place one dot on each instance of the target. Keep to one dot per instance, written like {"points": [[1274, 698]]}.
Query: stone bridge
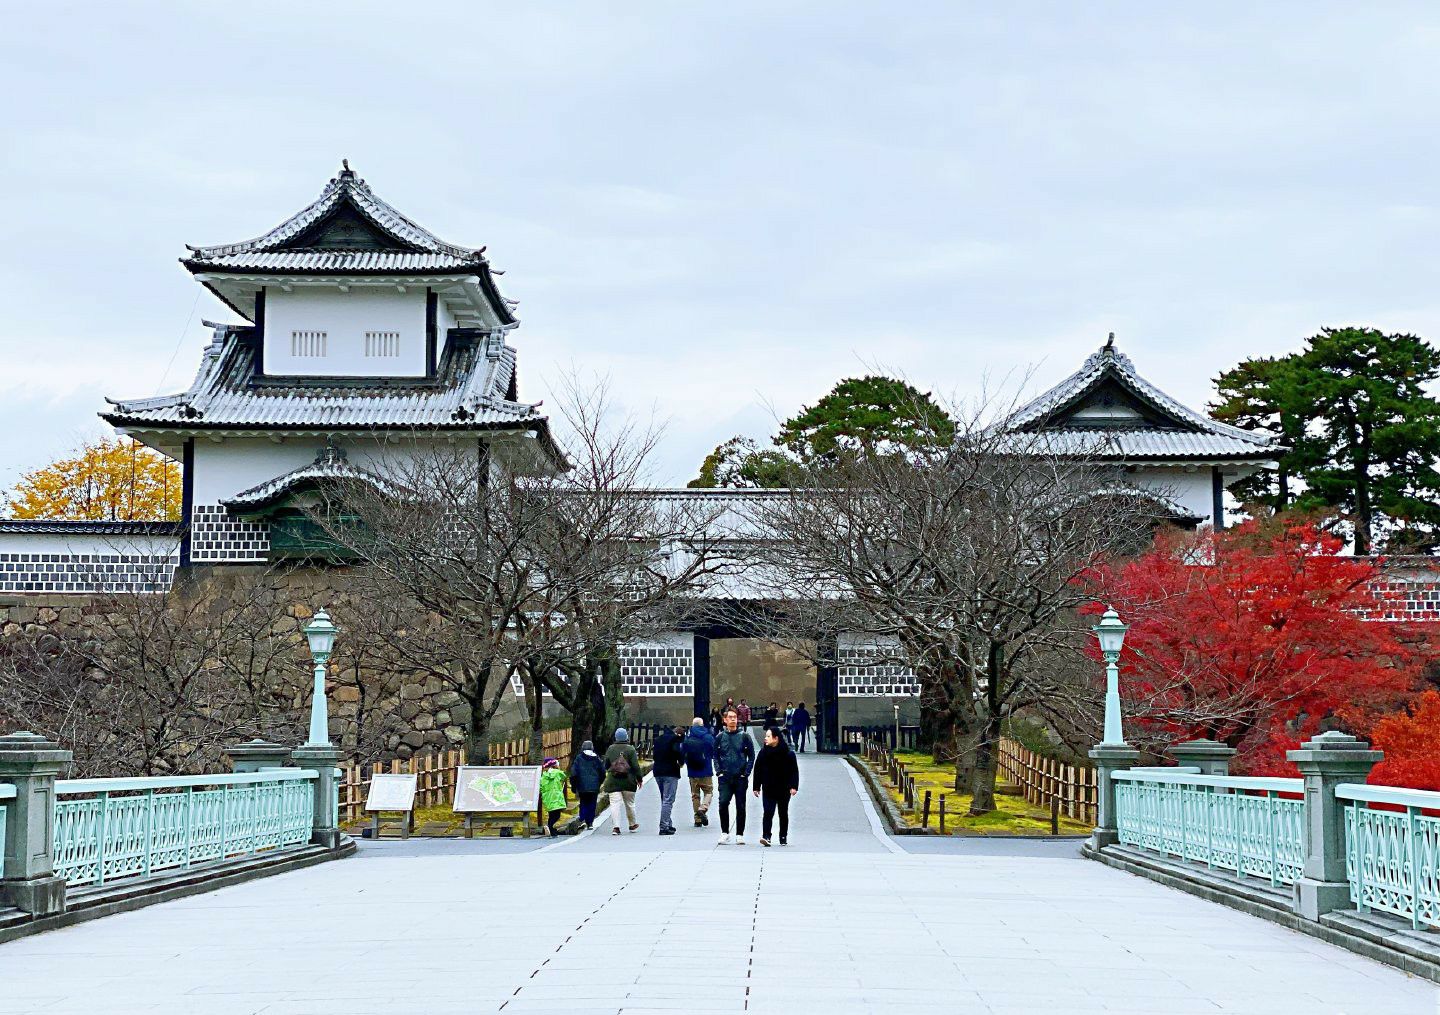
{"points": [[845, 919]]}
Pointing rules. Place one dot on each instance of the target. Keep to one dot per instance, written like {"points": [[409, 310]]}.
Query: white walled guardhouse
{"points": [[354, 326]]}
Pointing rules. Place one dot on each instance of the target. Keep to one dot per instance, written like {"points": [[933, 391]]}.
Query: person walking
{"points": [[742, 713], [622, 780], [666, 770], [771, 718], [552, 793], [789, 726], [734, 757], [699, 752], [714, 722], [777, 779], [587, 775], [800, 727]]}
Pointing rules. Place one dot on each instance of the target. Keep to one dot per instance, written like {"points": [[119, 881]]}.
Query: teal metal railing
{"points": [[7, 792], [109, 829], [1392, 853], [1254, 827]]}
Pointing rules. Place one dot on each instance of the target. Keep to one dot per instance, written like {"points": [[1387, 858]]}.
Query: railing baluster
{"points": [[189, 824], [149, 830], [104, 833], [1412, 846]]}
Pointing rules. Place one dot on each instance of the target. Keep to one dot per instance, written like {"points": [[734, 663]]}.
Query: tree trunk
{"points": [[588, 707], [987, 762], [616, 715], [535, 705], [477, 732]]}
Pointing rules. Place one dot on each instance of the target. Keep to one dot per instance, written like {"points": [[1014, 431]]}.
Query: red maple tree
{"points": [[1411, 742], [1254, 637]]}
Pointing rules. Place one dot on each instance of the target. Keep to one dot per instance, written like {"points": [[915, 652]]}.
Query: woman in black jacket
{"points": [[776, 780]]}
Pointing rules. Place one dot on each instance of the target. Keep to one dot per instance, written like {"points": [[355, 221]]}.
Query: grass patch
{"points": [[442, 822], [1012, 816]]}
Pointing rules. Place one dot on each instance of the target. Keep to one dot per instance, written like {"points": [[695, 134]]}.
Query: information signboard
{"points": [[391, 793], [497, 790]]}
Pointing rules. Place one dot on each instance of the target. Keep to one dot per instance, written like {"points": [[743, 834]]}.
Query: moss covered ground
{"points": [[1012, 816]]}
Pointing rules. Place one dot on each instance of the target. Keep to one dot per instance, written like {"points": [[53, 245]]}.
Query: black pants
{"points": [[771, 804], [554, 817], [732, 787]]}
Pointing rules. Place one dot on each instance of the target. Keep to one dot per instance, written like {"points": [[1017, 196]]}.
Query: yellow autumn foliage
{"points": [[109, 480]]}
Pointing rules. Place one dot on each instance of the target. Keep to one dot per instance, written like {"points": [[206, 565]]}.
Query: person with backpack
{"points": [[800, 727], [666, 759], [777, 779], [587, 775], [699, 751], [622, 780], [734, 757], [552, 793]]}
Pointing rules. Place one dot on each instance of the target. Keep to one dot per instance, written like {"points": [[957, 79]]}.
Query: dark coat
{"points": [[622, 783], [666, 755], [699, 751], [800, 720], [587, 773], [776, 770], [734, 753]]}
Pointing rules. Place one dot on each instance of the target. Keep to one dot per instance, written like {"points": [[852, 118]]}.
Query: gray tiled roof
{"points": [[344, 186], [411, 249], [468, 393], [1188, 435], [330, 465], [68, 527], [1147, 445]]}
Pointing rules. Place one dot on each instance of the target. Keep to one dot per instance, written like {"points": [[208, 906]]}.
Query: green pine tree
{"points": [[871, 413], [1362, 431]]}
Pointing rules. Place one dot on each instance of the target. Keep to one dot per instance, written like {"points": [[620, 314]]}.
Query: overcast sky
{"points": [[726, 212]]}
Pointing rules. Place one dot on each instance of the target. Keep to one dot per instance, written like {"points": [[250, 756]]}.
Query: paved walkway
{"points": [[839, 922]]}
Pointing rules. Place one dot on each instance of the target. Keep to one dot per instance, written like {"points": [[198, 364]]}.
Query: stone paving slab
{"points": [[841, 922]]}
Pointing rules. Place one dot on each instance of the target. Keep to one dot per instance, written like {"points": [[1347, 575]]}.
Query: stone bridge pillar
{"points": [[31, 763], [1210, 757], [322, 759], [1109, 759], [1327, 761], [256, 755]]}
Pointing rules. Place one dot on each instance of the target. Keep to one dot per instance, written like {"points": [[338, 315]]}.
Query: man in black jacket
{"points": [[734, 757], [777, 779], [666, 771]]}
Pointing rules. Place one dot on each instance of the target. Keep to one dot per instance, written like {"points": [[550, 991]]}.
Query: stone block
{"points": [[424, 721], [460, 713], [442, 718], [411, 692], [347, 692]]}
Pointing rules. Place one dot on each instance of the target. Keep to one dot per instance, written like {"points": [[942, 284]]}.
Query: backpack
{"points": [[620, 767], [694, 750]]}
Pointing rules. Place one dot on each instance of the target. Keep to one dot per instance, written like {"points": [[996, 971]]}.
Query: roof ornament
{"points": [[345, 169], [330, 455], [1110, 343]]}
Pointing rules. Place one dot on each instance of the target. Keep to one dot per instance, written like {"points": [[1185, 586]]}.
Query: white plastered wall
{"points": [[344, 318]]}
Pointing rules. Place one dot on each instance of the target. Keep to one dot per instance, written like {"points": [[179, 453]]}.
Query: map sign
{"points": [[391, 793], [480, 789]]}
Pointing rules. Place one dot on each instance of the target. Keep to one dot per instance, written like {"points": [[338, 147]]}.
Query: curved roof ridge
{"points": [[1110, 361], [346, 184]]}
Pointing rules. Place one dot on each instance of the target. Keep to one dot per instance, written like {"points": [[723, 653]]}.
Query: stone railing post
{"points": [[1109, 759], [31, 763], [257, 754], [322, 759], [1210, 757], [1327, 761]]}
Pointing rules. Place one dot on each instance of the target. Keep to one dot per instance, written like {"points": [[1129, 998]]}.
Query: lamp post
{"points": [[320, 633], [897, 724], [1110, 632]]}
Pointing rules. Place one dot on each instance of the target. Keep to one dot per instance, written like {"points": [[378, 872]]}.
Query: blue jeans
{"points": [[668, 785]]}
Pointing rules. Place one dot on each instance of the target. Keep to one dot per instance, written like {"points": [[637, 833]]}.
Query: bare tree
{"points": [[520, 574], [967, 552]]}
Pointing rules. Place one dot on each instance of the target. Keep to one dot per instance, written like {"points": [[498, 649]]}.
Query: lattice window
{"points": [[868, 670], [382, 344], [307, 344]]}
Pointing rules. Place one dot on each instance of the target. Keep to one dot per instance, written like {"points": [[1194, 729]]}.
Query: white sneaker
{"points": [[725, 839], [739, 840]]}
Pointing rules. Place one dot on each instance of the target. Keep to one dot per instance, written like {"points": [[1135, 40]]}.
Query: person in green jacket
{"points": [[622, 780], [552, 792]]}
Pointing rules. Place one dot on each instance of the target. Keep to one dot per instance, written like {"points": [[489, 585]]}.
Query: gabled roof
{"points": [[1162, 428], [469, 392], [330, 467], [347, 231]]}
